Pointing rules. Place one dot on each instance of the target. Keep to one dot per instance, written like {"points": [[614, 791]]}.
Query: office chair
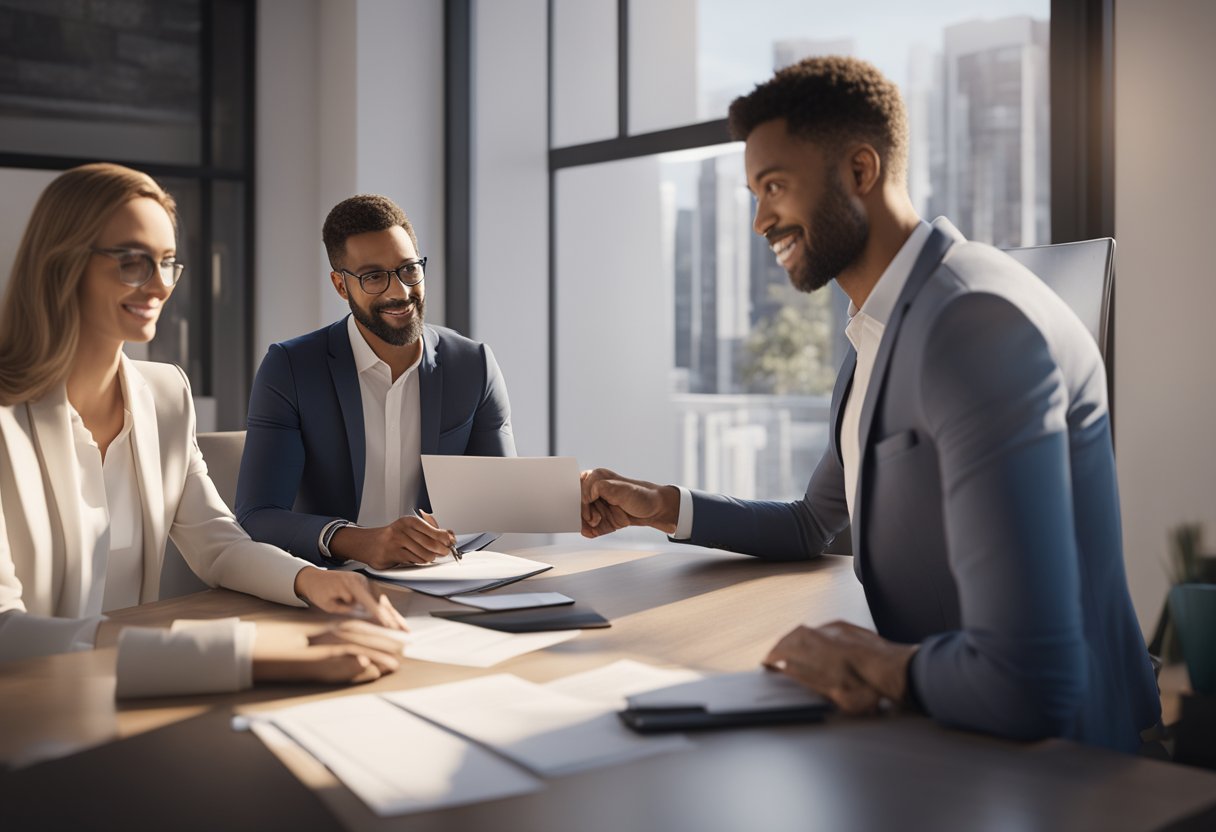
{"points": [[1083, 274], [223, 454]]}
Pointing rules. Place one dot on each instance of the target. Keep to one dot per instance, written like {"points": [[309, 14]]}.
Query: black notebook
{"points": [[535, 620]]}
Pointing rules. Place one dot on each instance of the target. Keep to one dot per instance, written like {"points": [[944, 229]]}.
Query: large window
{"points": [[165, 86], [665, 302]]}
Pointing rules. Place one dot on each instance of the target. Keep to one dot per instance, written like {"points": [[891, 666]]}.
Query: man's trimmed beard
{"points": [[840, 232], [382, 329]]}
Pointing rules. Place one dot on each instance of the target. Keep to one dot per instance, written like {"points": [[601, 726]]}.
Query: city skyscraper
{"points": [[994, 179]]}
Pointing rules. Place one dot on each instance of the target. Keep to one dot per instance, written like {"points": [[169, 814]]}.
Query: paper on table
{"points": [[507, 494], [450, 642], [613, 683], [447, 576], [394, 761], [514, 601], [751, 690], [546, 731]]}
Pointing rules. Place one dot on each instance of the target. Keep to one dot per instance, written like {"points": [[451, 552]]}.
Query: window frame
{"points": [[206, 175]]}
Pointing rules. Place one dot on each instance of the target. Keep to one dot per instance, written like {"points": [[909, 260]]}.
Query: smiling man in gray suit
{"points": [[971, 448]]}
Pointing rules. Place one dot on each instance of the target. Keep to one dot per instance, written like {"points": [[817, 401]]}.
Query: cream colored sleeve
{"points": [[215, 546], [191, 657]]}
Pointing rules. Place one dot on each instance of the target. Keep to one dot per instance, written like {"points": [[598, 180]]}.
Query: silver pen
{"points": [[456, 553]]}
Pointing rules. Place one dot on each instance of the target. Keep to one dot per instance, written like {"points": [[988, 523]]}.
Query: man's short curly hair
{"points": [[359, 215], [834, 101]]}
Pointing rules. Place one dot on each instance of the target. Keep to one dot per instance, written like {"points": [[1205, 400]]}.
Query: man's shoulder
{"points": [[317, 339], [450, 344]]}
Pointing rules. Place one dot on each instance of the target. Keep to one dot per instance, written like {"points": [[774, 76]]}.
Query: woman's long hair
{"points": [[40, 319]]}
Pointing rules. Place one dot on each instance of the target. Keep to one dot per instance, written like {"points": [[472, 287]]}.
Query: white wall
{"points": [[510, 210], [1165, 186], [350, 100]]}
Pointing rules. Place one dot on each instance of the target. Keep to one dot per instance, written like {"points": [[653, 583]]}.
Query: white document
{"points": [[506, 494], [394, 761], [546, 731], [613, 683], [450, 642], [476, 571], [514, 600], [751, 690]]}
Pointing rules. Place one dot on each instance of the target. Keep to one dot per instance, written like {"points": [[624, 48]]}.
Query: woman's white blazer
{"points": [[51, 581]]}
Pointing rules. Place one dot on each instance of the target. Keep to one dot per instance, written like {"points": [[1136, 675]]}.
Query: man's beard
{"points": [[840, 231], [385, 331]]}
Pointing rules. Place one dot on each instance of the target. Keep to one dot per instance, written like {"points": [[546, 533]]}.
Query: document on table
{"points": [[549, 732], [728, 693], [612, 684], [394, 761], [507, 494], [446, 576], [450, 642]]}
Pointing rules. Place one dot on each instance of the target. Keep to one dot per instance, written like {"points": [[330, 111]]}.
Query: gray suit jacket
{"points": [[986, 520]]}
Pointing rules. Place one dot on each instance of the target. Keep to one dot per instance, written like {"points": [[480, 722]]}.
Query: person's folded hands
{"points": [[346, 652]]}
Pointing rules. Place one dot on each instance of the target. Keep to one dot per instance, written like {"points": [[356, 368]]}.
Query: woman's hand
{"points": [[349, 652], [347, 593]]}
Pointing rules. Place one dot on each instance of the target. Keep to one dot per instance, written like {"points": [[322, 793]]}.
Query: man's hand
{"points": [[346, 653], [612, 502], [405, 540], [856, 668], [346, 593]]}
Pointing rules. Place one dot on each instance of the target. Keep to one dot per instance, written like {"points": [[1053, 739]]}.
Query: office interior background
{"points": [[566, 167]]}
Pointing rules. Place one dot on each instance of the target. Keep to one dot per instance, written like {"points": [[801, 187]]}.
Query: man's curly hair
{"points": [[834, 101], [359, 215]]}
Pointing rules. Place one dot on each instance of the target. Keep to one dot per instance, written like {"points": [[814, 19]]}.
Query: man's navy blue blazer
{"points": [[305, 450]]}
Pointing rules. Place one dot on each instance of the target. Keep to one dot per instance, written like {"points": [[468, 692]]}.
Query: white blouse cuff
{"points": [[191, 657]]}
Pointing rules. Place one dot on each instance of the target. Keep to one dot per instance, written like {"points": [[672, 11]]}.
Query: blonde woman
{"points": [[99, 465]]}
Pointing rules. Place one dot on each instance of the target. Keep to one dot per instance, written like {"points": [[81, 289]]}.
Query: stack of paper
{"points": [[545, 730], [478, 571], [394, 761], [388, 751]]}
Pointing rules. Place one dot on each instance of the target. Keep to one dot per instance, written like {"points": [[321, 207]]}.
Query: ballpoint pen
{"points": [[456, 553]]}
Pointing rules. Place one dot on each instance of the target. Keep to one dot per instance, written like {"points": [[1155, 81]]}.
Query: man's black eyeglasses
{"points": [[374, 283]]}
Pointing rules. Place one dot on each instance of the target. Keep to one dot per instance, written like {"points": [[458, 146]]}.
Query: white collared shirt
{"points": [[864, 331], [192, 657], [111, 516], [392, 430]]}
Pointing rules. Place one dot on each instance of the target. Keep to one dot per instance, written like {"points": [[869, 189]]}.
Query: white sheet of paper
{"points": [[750, 690], [395, 762], [450, 642], [475, 566], [546, 731], [447, 576], [514, 600], [506, 494], [613, 683]]}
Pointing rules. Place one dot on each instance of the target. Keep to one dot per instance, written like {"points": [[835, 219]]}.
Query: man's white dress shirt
{"points": [[392, 430]]}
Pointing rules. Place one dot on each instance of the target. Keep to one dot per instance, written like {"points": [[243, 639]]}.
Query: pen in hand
{"points": [[456, 553]]}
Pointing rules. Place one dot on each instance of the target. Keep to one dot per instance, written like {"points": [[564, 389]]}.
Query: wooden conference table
{"points": [[176, 763]]}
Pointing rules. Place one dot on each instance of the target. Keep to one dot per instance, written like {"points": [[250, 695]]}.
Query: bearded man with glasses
{"points": [[339, 418]]}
